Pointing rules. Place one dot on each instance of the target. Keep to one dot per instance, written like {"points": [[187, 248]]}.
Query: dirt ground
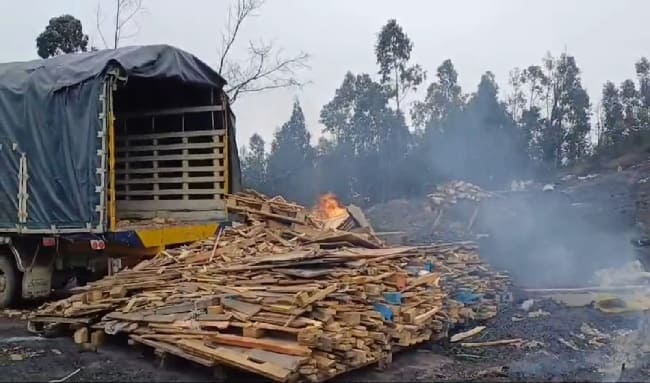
{"points": [[541, 357]]}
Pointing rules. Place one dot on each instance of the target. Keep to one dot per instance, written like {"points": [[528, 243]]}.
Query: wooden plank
{"points": [[492, 343], [53, 319], [253, 332], [358, 215], [170, 157], [288, 330], [169, 180], [181, 146], [181, 169], [249, 309], [191, 133], [169, 192], [319, 295], [288, 348], [179, 216], [81, 335], [98, 338], [466, 334], [189, 306], [229, 357], [305, 273], [289, 362], [287, 256], [427, 279], [170, 112], [173, 350], [419, 319], [118, 292], [258, 212], [165, 317], [170, 205], [131, 317], [221, 325]]}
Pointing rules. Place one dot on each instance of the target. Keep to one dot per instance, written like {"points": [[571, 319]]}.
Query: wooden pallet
{"points": [[273, 209], [170, 168], [268, 364]]}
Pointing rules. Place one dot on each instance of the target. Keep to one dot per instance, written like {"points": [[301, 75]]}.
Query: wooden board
{"points": [[170, 157], [173, 350], [170, 192], [223, 355], [170, 205], [194, 133], [148, 148], [281, 347]]}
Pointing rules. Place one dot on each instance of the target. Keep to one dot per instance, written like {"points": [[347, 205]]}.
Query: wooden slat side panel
{"points": [[179, 169], [181, 146], [185, 216], [171, 111], [164, 192], [151, 136], [173, 157], [170, 180], [173, 205], [171, 173]]}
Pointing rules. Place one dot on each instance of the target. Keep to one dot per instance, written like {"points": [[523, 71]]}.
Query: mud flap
{"points": [[37, 282]]}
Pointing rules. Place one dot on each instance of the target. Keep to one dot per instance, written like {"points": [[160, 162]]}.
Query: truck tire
{"points": [[9, 281]]}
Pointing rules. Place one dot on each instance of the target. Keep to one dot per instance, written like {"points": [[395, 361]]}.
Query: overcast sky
{"points": [[606, 37]]}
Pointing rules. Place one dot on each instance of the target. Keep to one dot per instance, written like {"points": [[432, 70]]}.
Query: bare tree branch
{"points": [[267, 67], [125, 14], [130, 8], [236, 17], [116, 32], [280, 73], [98, 21]]}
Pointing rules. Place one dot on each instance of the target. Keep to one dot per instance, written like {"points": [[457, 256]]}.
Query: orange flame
{"points": [[329, 207]]}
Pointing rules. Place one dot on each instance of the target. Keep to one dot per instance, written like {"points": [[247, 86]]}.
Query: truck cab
{"points": [[105, 158]]}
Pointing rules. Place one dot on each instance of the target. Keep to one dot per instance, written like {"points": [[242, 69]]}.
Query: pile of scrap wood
{"points": [[282, 297], [450, 193], [456, 207]]}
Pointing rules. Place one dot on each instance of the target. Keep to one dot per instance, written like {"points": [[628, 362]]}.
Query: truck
{"points": [[108, 157]]}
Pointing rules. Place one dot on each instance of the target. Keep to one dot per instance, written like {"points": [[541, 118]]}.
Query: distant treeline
{"points": [[370, 154]]}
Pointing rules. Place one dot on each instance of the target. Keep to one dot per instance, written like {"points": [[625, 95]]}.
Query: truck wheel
{"points": [[9, 281]]}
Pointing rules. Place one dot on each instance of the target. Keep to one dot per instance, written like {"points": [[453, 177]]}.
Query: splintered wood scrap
{"points": [[493, 343], [216, 243], [569, 344], [467, 334], [261, 344]]}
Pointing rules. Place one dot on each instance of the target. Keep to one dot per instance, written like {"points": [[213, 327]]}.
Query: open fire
{"points": [[329, 208]]}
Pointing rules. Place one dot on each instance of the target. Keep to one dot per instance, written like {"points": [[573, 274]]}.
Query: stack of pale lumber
{"points": [[451, 192], [284, 298], [456, 208]]}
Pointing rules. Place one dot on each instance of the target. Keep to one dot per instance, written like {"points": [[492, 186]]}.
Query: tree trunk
{"points": [[397, 88], [116, 37]]}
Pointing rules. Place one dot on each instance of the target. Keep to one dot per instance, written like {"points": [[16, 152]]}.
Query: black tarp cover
{"points": [[50, 112]]}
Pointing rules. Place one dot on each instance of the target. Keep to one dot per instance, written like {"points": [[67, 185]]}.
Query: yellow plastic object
{"points": [[621, 304], [172, 235]]}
